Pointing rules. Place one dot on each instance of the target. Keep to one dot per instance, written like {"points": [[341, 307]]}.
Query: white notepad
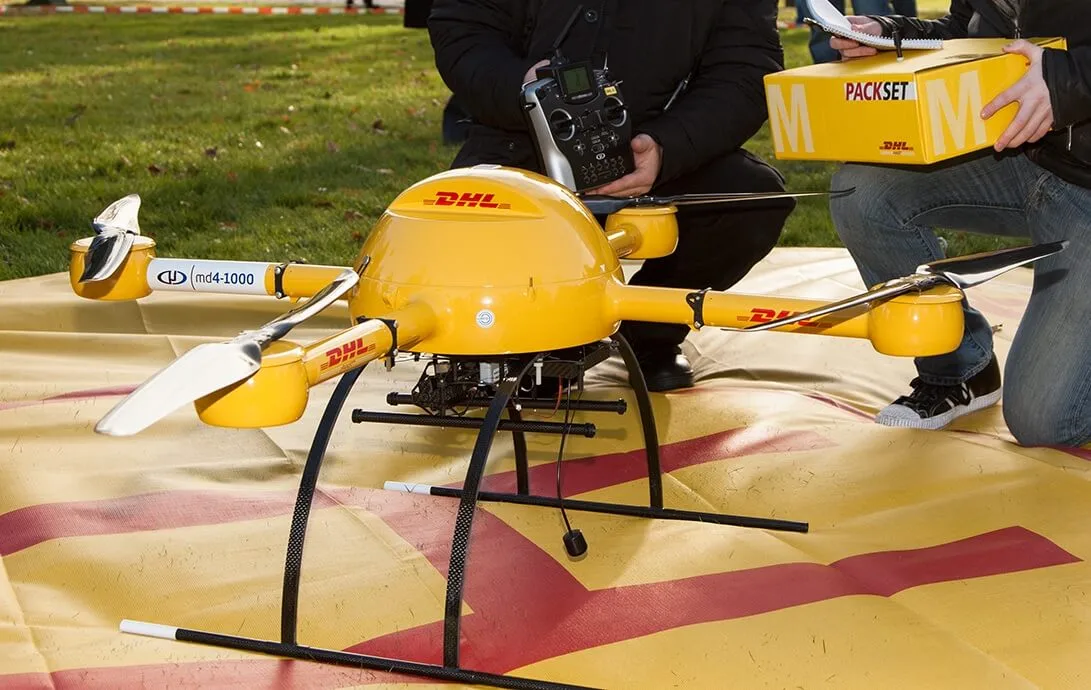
{"points": [[831, 20]]}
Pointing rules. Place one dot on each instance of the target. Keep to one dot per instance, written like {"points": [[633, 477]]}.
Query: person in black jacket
{"points": [[1035, 182], [487, 49]]}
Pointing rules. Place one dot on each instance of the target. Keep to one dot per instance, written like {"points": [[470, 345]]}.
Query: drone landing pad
{"points": [[946, 559]]}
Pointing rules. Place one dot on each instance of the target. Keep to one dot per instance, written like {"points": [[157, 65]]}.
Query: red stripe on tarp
{"points": [[73, 395], [25, 527], [1082, 453], [590, 474], [527, 608]]}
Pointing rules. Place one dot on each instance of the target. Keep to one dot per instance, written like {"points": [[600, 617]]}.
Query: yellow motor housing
{"points": [[918, 325], [130, 281], [276, 394], [643, 233]]}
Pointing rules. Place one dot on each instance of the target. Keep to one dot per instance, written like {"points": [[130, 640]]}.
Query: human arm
{"points": [[478, 56], [1055, 92], [724, 104], [1067, 73], [955, 24]]}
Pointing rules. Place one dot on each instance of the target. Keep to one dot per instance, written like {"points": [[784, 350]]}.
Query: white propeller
{"points": [[115, 230], [210, 367]]}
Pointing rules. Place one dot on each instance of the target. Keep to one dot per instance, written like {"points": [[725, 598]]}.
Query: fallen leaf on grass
{"points": [[155, 169], [378, 127], [212, 152], [232, 176], [251, 87], [385, 171], [353, 215], [332, 147], [7, 145], [76, 113], [227, 226]]}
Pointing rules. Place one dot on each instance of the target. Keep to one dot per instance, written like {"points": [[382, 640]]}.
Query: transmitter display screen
{"points": [[576, 82]]}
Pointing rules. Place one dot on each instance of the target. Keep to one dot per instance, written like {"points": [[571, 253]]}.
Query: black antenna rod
{"points": [[564, 33]]}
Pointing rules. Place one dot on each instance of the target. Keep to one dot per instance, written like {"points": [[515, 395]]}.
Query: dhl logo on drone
{"points": [[767, 315], [466, 199], [345, 353]]}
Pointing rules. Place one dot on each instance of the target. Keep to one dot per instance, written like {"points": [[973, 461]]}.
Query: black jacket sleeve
{"points": [[1067, 73], [478, 56], [724, 104], [955, 24]]}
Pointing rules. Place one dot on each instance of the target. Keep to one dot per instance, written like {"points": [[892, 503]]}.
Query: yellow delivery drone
{"points": [[503, 279]]}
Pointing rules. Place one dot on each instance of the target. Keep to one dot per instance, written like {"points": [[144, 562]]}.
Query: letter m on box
{"points": [[955, 116], [789, 119]]}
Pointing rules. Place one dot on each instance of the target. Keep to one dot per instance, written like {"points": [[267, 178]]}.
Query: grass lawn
{"points": [[261, 138]]}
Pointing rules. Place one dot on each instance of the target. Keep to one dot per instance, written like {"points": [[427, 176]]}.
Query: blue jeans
{"points": [[888, 227], [820, 40]]}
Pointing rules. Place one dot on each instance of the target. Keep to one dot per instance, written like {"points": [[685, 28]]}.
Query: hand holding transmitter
{"points": [[579, 123]]}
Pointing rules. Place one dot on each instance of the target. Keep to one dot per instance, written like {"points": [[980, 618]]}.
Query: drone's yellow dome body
{"points": [[509, 261]]}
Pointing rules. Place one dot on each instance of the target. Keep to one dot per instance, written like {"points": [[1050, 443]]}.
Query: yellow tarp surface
{"points": [[950, 559]]}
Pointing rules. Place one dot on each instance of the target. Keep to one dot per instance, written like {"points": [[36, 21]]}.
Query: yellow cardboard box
{"points": [[924, 109]]}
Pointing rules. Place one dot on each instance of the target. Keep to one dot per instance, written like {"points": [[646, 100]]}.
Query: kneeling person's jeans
{"points": [[888, 226]]}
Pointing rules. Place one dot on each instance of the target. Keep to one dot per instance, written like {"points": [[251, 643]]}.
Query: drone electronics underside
{"points": [[509, 288]]}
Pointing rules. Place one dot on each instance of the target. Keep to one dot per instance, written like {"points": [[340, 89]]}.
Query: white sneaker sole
{"points": [[901, 416]]}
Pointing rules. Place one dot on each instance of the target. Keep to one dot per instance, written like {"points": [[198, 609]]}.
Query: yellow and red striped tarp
{"points": [[950, 559]]}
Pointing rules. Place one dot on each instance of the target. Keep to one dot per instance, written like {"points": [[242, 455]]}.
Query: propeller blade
{"points": [[281, 325], [974, 269], [605, 205], [210, 367], [203, 370], [105, 255], [122, 216], [115, 230], [689, 199], [961, 272]]}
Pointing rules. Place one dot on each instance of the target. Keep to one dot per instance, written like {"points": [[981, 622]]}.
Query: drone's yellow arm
{"points": [[367, 341], [912, 325], [278, 392], [143, 273]]}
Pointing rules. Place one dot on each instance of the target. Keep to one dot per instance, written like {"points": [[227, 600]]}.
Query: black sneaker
{"points": [[665, 369], [933, 407]]}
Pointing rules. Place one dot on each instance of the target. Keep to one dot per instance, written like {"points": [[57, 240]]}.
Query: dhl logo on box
{"points": [[924, 109]]}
